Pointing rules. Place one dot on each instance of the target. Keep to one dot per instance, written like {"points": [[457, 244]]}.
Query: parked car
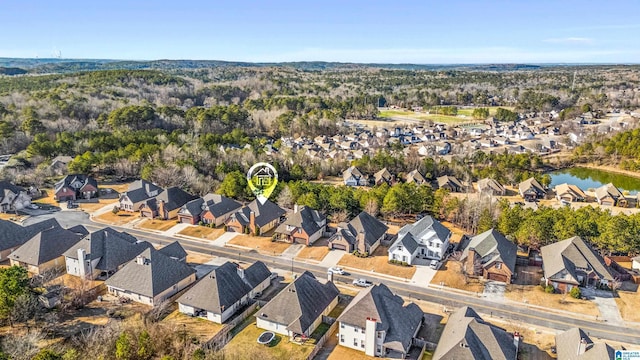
{"points": [[257, 294], [435, 264], [362, 282], [71, 205], [336, 270], [34, 206]]}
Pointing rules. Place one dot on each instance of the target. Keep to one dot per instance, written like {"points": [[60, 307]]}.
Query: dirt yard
{"points": [[456, 232], [120, 218], [200, 328], [628, 305], [202, 232], [317, 251], [535, 295], [244, 345], [160, 225], [197, 258], [450, 274], [378, 262], [261, 243]]}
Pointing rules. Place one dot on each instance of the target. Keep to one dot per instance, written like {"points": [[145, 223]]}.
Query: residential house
{"points": [[77, 186], [224, 291], [175, 251], [166, 205], [101, 253], [45, 250], [383, 176], [59, 163], [635, 263], [575, 344], [299, 308], [491, 255], [12, 235], [137, 193], [416, 177], [491, 186], [449, 183], [572, 262], [362, 234], [12, 197], [354, 177], [425, 239], [303, 226], [531, 190], [151, 278], [468, 336], [255, 218], [610, 195], [378, 323], [569, 193], [210, 209]]}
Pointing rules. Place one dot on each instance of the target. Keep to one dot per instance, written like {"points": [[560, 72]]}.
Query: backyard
{"points": [[244, 345], [202, 232], [200, 328], [377, 262], [262, 244]]}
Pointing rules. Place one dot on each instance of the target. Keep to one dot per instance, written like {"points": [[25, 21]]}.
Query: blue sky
{"points": [[451, 31]]}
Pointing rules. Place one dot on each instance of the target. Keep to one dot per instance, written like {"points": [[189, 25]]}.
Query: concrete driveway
{"points": [[332, 258], [224, 238], [423, 276], [494, 290], [606, 304]]}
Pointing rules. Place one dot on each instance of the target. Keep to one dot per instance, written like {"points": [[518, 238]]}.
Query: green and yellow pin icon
{"points": [[262, 179]]}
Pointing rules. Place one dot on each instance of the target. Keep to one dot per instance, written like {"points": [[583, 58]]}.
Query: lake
{"points": [[586, 179]]}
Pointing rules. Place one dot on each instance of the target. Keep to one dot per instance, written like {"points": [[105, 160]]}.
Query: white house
{"points": [[425, 239], [354, 177]]}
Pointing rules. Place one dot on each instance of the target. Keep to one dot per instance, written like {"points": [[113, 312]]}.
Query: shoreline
{"points": [[610, 169]]}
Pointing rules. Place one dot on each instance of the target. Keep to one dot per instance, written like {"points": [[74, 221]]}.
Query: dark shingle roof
{"points": [[372, 228], [299, 304], [467, 336], [7, 187], [174, 250], [264, 213], [71, 178], [492, 243], [173, 198], [305, 218], [255, 274], [112, 247], [218, 290], [45, 246], [140, 190], [219, 205], [151, 276], [378, 302], [13, 235]]}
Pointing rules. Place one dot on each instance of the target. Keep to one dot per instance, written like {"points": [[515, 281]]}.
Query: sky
{"points": [[368, 31]]}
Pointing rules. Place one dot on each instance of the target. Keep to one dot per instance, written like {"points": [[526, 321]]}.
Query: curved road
{"points": [[449, 299]]}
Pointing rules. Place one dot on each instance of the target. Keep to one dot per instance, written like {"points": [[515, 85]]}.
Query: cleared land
{"points": [[451, 275], [244, 345], [120, 218], [535, 295], [378, 262], [160, 225], [316, 252], [260, 243], [628, 305], [202, 232]]}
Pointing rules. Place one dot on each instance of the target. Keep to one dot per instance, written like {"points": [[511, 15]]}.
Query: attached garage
{"points": [[298, 240], [339, 247], [186, 220], [234, 229], [497, 277]]}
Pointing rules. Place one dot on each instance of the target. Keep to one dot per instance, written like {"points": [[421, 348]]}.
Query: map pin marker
{"points": [[262, 179]]}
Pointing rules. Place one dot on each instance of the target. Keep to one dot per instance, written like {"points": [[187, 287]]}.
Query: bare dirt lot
{"points": [[378, 262], [535, 295], [450, 275], [261, 243], [316, 252]]}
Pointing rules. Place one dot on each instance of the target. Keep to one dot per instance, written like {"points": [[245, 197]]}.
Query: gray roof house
{"points": [[75, 186], [44, 251], [363, 234], [378, 323], [468, 336], [303, 226], [491, 255], [354, 177], [416, 177], [174, 251], [450, 183], [531, 189], [426, 239], [575, 344], [225, 290], [491, 186], [572, 262], [151, 278], [137, 193], [210, 209], [102, 253], [12, 235], [166, 205], [383, 176], [257, 217], [12, 197], [299, 308]]}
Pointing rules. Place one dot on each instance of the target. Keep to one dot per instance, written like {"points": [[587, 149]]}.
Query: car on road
{"points": [[435, 264], [33, 206], [362, 282], [336, 270]]}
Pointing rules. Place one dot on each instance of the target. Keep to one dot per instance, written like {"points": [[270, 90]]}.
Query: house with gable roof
{"points": [[224, 291], [210, 209], [354, 177], [491, 186], [531, 190], [75, 186], [256, 218], [303, 226], [575, 344], [363, 234], [166, 205], [610, 195], [378, 323], [12, 197], [416, 177], [450, 183], [12, 235], [137, 193], [426, 239], [491, 255]]}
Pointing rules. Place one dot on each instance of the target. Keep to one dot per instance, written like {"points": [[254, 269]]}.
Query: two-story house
{"points": [[12, 197], [491, 255], [77, 186], [137, 193], [210, 209], [303, 226], [426, 239], [363, 234], [354, 177]]}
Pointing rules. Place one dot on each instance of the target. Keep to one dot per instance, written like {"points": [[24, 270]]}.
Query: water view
{"points": [[586, 179]]}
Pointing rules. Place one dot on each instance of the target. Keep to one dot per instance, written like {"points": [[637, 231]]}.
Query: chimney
{"points": [[240, 272], [295, 208], [252, 220], [330, 276], [141, 260], [582, 346], [516, 340], [82, 254], [470, 262], [370, 337]]}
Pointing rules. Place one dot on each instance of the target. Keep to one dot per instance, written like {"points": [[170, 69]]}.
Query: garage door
{"points": [[498, 277], [185, 220], [297, 240], [339, 247], [233, 229]]}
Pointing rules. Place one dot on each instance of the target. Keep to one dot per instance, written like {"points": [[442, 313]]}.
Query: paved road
{"points": [[521, 313]]}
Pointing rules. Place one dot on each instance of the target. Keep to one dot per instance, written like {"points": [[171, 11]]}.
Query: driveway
{"points": [[423, 276], [224, 238], [332, 258], [606, 304], [293, 250], [494, 290], [176, 229]]}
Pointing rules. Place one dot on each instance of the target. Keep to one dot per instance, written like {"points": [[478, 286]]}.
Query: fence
{"points": [[322, 340], [221, 338]]}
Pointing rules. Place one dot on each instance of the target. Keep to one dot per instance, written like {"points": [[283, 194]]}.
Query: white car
{"points": [[336, 270], [435, 264], [33, 206], [362, 282]]}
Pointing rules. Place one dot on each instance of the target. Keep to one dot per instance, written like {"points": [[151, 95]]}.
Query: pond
{"points": [[587, 179]]}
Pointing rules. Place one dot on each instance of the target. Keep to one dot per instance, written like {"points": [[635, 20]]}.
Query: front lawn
{"points": [[261, 243], [317, 251], [244, 345], [120, 218], [450, 274], [202, 232], [535, 295], [378, 262], [160, 225], [628, 305]]}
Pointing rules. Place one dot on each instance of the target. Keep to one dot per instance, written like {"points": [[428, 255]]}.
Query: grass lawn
{"points": [[342, 352], [428, 355], [120, 218], [535, 295], [456, 232], [47, 199], [261, 243], [202, 232], [244, 346], [120, 188], [317, 251], [160, 225], [628, 305], [450, 274], [197, 258], [198, 327], [12, 217], [343, 301], [97, 206], [378, 262]]}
